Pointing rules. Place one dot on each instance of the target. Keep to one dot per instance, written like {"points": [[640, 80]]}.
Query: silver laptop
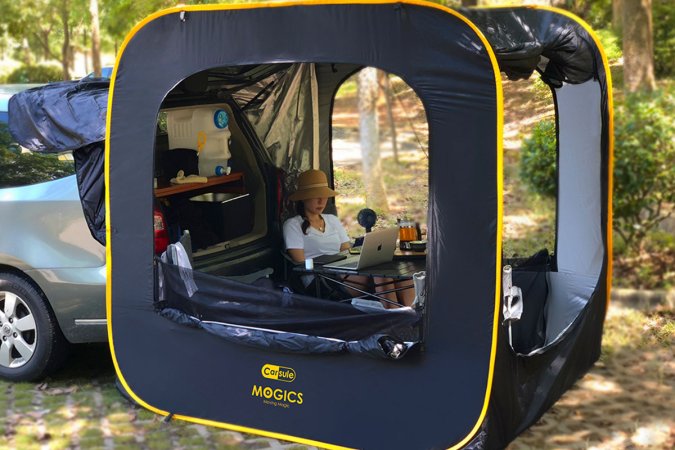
{"points": [[378, 247]]}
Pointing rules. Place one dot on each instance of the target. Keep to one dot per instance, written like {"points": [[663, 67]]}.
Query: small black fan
{"points": [[367, 219]]}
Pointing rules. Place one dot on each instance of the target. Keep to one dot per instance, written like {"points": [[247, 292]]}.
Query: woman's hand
{"points": [[345, 246]]}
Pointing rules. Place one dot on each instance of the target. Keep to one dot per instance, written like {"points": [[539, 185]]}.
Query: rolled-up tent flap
{"points": [[60, 117], [525, 40]]}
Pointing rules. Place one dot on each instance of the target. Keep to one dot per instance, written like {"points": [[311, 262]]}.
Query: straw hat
{"points": [[312, 184]]}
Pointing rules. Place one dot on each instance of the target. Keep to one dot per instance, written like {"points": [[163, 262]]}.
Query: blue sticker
{"points": [[221, 119]]}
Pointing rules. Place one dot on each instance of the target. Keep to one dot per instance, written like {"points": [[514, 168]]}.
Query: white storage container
{"points": [[204, 129]]}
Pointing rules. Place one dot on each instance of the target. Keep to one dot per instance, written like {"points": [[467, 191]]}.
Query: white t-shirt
{"points": [[315, 243]]}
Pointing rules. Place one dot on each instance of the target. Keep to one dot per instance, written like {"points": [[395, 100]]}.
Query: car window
{"points": [[20, 167]]}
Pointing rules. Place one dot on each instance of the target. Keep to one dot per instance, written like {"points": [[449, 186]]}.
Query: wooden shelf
{"points": [[235, 179]]}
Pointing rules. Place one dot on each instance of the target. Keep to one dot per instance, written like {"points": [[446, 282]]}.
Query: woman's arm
{"points": [[296, 254], [294, 240]]}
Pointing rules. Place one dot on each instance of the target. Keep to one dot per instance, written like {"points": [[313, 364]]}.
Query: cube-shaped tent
{"points": [[267, 361]]}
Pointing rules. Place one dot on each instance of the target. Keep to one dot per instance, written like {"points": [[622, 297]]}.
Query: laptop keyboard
{"points": [[349, 263]]}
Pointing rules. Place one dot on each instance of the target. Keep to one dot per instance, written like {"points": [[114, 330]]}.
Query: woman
{"points": [[312, 233]]}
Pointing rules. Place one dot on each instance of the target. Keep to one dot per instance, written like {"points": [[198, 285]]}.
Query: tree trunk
{"points": [[367, 87], [95, 38], [26, 54], [389, 99], [85, 44], [467, 3], [43, 37], [638, 46], [65, 49], [617, 16]]}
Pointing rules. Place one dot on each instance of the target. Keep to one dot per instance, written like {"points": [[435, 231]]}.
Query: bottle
{"points": [[406, 233], [204, 129]]}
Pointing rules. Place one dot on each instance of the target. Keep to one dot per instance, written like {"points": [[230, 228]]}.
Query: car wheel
{"points": [[31, 342]]}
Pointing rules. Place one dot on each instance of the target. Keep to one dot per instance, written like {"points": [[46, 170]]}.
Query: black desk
{"points": [[397, 270]]}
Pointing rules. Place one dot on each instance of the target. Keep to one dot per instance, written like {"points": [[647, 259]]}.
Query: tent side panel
{"points": [[527, 385]]}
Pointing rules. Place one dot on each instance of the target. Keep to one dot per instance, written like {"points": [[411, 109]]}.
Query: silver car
{"points": [[52, 271]]}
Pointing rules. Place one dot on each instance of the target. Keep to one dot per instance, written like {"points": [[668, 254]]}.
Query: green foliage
{"points": [[663, 15], [611, 44], [29, 168], [644, 164], [541, 89], [40, 25], [40, 73], [5, 137], [538, 159], [598, 13]]}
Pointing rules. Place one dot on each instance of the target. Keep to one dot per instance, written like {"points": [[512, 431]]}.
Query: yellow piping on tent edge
{"points": [[610, 126], [500, 106]]}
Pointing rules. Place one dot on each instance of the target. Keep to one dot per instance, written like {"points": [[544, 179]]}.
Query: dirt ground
{"points": [[626, 401]]}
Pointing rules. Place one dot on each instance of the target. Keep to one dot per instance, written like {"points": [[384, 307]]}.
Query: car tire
{"points": [[31, 342]]}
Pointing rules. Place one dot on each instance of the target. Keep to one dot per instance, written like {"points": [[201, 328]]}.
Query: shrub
{"points": [[538, 159], [644, 164], [610, 43], [542, 91], [40, 73]]}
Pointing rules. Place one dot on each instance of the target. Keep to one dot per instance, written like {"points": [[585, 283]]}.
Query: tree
{"points": [[31, 23], [95, 38], [385, 87], [45, 26], [66, 50], [367, 89], [118, 17], [638, 46], [617, 16]]}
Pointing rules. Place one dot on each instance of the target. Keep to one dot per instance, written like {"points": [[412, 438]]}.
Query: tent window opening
{"points": [[230, 144], [530, 168], [380, 157], [552, 234], [380, 160]]}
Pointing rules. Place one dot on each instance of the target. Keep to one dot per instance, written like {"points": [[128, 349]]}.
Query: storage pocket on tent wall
{"points": [[280, 320], [531, 276], [529, 333]]}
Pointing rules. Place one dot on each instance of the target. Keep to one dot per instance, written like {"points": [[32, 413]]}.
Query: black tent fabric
{"points": [[525, 40], [61, 116], [263, 307], [89, 164]]}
